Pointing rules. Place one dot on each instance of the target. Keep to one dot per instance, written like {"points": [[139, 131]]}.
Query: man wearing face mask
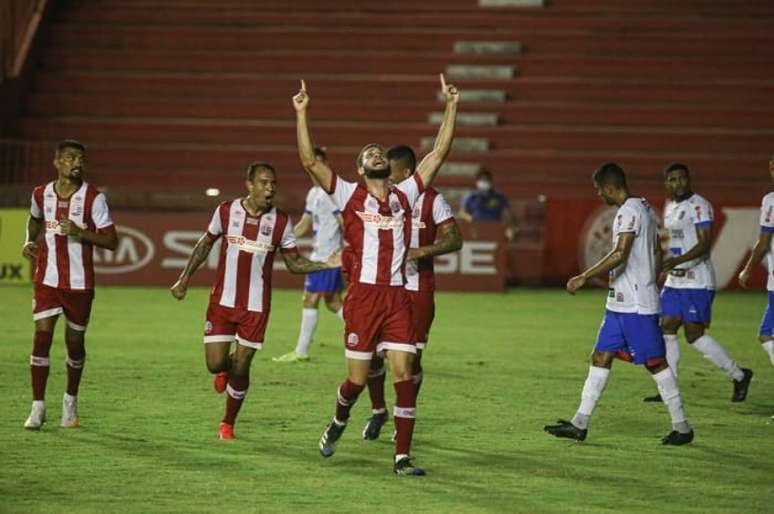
{"points": [[486, 204]]}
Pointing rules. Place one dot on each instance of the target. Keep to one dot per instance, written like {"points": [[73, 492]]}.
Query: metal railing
{"points": [[19, 21]]}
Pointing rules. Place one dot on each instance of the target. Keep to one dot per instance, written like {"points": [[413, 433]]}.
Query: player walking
{"points": [[630, 329], [73, 217]]}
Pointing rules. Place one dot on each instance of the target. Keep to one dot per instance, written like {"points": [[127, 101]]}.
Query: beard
{"points": [[376, 173]]}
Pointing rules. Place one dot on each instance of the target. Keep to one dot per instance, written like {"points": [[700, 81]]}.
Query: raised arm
{"points": [[616, 257], [200, 253], [318, 170], [428, 168]]}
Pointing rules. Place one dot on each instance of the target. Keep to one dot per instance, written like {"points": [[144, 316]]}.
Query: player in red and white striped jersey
{"points": [[434, 232], [252, 230], [377, 309], [73, 217]]}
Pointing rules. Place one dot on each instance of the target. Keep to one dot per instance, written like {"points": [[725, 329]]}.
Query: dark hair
{"points": [[321, 151], [364, 150], [404, 155], [483, 174], [610, 174], [255, 167], [70, 143], [676, 166]]}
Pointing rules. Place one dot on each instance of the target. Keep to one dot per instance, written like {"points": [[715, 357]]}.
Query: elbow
{"points": [[457, 245], [112, 244]]}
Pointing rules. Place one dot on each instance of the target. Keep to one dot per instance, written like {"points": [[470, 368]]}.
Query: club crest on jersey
{"points": [[266, 229], [395, 207], [207, 327], [352, 339]]}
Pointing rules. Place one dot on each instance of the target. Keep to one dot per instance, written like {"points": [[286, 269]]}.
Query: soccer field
{"points": [[498, 368]]}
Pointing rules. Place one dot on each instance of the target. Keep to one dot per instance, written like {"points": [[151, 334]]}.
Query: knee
{"points": [[693, 333], [657, 367], [311, 300], [764, 339], [601, 359], [217, 364], [670, 325]]}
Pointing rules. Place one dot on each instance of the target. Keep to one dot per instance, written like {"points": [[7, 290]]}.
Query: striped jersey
{"points": [[67, 262], [429, 212], [243, 277], [378, 231]]}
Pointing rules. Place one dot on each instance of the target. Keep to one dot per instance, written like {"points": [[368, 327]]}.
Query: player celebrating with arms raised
{"points": [[252, 230], [630, 329], [434, 232], [74, 218], [377, 309]]}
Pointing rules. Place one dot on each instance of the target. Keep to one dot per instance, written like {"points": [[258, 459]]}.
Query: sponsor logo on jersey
{"points": [[381, 222], [418, 224], [247, 245]]}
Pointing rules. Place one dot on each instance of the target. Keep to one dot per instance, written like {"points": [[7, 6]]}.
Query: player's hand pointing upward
{"points": [[301, 100], [449, 91]]}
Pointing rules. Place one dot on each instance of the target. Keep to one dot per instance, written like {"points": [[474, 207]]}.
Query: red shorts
{"points": [[423, 313], [225, 324], [377, 318], [74, 304]]}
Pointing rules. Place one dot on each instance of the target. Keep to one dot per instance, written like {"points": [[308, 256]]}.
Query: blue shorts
{"points": [[323, 281], [690, 305], [767, 323], [634, 337]]}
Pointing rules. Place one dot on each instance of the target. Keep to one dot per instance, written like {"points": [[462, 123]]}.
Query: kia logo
{"points": [[134, 251]]}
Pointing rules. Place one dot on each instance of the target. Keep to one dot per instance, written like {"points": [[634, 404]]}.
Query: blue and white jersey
{"points": [[682, 220], [767, 225], [326, 232], [633, 287]]}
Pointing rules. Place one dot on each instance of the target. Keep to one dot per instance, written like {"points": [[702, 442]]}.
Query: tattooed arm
{"points": [[200, 253], [449, 240], [297, 263]]}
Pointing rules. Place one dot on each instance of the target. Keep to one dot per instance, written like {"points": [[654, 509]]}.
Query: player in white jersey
{"points": [[630, 329], [323, 218], [687, 297], [764, 247], [377, 309], [71, 217]]}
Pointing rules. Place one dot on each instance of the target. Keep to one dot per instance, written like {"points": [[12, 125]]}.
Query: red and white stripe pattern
{"points": [[67, 262], [430, 211], [247, 254], [377, 231]]}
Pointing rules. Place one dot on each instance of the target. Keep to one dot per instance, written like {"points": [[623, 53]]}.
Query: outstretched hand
{"points": [[301, 100], [450, 91]]}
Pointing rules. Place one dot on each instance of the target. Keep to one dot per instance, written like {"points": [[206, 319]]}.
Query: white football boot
{"points": [[69, 411], [37, 416]]}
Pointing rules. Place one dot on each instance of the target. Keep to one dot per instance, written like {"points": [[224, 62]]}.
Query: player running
{"points": [[687, 297], [240, 302], [323, 218], [630, 329], [377, 309], [764, 247], [434, 231], [73, 218]]}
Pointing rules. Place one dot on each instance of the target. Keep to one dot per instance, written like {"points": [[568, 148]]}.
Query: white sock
{"points": [[340, 313], [670, 395], [308, 325], [718, 356], [672, 351], [592, 390], [768, 346]]}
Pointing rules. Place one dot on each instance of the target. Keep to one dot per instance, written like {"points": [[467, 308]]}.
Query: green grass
{"points": [[497, 369]]}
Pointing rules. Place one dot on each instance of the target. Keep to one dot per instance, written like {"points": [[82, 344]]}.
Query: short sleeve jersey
{"points": [[326, 233], [633, 287], [67, 262], [767, 225], [430, 211], [378, 231], [243, 277], [683, 221]]}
